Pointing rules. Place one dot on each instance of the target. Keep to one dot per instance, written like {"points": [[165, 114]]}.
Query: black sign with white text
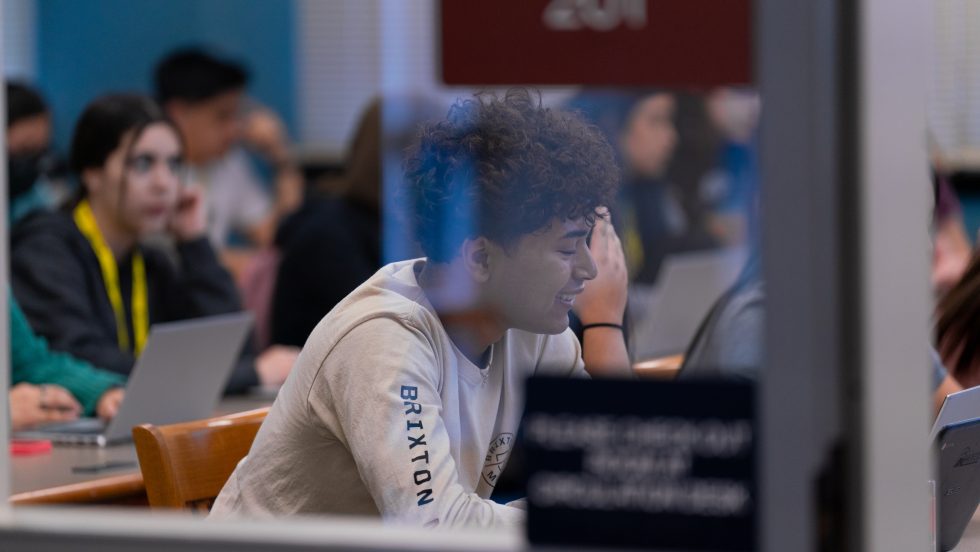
{"points": [[642, 464]]}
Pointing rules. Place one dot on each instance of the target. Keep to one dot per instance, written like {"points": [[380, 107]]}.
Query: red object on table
{"points": [[25, 447]]}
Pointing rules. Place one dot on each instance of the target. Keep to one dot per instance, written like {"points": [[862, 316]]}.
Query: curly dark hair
{"points": [[503, 168]]}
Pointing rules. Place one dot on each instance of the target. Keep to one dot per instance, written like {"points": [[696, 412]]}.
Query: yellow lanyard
{"points": [[632, 242], [85, 221]]}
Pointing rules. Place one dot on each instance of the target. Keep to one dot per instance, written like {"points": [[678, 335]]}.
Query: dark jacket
{"points": [[57, 281], [328, 248], [648, 211]]}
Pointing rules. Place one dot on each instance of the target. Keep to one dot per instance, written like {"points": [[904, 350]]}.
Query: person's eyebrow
{"points": [[575, 234]]}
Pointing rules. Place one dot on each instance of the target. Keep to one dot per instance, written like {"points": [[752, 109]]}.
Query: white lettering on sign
{"points": [[641, 464], [705, 497], [709, 437], [595, 15]]}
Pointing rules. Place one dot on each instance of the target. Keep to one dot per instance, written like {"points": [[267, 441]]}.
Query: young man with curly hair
{"points": [[406, 398]]}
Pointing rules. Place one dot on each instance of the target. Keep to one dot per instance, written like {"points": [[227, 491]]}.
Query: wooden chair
{"points": [[659, 368], [185, 465]]}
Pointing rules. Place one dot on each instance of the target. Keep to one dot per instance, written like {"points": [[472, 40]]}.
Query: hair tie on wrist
{"points": [[603, 325]]}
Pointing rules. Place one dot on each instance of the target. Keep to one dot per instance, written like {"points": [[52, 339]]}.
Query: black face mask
{"points": [[23, 170]]}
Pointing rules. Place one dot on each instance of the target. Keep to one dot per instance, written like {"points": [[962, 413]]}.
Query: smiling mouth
{"points": [[568, 298]]}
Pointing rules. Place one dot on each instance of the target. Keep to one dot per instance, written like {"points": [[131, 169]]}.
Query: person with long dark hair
{"points": [[957, 338], [84, 277]]}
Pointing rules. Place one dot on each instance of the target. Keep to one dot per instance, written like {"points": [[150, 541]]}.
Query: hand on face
{"points": [[189, 221], [138, 190], [109, 402], [604, 298], [264, 132], [31, 405]]}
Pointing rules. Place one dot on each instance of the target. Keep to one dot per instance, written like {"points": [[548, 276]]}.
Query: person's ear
{"points": [[476, 258], [177, 111], [94, 180]]}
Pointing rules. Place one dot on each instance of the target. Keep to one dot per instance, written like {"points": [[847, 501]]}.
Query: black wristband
{"points": [[602, 325]]}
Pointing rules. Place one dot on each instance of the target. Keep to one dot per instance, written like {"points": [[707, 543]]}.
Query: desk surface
{"points": [[48, 478]]}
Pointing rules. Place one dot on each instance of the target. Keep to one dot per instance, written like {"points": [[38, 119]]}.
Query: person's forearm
{"points": [[604, 352], [289, 189]]}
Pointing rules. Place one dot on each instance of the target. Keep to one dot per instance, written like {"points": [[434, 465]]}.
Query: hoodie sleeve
{"points": [[561, 355], [384, 396]]}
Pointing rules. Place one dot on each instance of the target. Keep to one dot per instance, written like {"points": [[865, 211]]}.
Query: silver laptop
{"points": [[665, 317], [179, 377], [962, 406], [955, 439]]}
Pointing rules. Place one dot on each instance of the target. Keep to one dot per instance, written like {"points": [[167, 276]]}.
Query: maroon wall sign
{"points": [[682, 43]]}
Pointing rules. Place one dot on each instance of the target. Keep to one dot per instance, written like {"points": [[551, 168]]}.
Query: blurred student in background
{"points": [[85, 281], [727, 188], [653, 216], [30, 161], [205, 97], [730, 342], [49, 386], [333, 243], [951, 247], [958, 326]]}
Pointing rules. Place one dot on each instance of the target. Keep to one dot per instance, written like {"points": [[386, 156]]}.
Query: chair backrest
{"points": [[185, 465], [659, 368]]}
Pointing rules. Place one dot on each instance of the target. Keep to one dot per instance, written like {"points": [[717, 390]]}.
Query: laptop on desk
{"points": [[958, 407], [955, 440], [665, 317], [957, 488], [179, 377]]}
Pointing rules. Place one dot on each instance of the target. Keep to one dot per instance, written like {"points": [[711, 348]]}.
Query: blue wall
{"points": [[89, 48]]}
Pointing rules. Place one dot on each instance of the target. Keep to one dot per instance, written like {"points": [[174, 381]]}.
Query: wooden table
{"points": [[659, 368], [49, 478]]}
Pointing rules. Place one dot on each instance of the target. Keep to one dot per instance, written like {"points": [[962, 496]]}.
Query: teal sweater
{"points": [[33, 362]]}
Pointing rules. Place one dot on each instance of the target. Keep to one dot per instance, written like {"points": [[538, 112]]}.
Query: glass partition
{"points": [[413, 242]]}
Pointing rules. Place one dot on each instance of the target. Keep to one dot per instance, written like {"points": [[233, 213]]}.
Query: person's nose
{"points": [[163, 177]]}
